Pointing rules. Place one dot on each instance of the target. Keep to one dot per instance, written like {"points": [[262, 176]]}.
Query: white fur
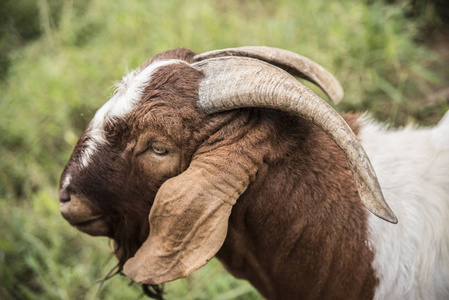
{"points": [[128, 94], [444, 122], [412, 257], [66, 182]]}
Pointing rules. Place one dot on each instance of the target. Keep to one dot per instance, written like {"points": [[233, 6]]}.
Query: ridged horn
{"points": [[235, 82], [291, 62]]}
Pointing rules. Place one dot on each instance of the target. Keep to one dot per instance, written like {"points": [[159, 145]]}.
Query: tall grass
{"points": [[55, 83]]}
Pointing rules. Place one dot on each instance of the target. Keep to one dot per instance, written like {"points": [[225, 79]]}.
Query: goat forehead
{"points": [[128, 94]]}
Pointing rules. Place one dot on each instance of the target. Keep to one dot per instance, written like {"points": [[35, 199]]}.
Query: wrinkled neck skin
{"points": [[299, 230]]}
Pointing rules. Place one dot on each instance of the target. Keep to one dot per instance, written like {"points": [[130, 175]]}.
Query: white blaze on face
{"points": [[128, 94], [66, 182]]}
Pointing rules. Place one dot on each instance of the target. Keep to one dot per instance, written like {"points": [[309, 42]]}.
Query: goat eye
{"points": [[159, 150]]}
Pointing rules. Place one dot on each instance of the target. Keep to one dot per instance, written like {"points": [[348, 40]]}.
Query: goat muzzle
{"points": [[76, 210]]}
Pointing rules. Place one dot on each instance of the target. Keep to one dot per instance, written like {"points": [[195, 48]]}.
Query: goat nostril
{"points": [[64, 195]]}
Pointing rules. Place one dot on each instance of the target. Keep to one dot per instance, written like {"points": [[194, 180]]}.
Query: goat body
{"points": [[319, 248]]}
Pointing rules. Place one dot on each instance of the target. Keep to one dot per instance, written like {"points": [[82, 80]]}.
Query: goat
{"points": [[226, 154]]}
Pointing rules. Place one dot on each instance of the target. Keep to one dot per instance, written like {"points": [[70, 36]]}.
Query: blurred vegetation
{"points": [[430, 14], [58, 60]]}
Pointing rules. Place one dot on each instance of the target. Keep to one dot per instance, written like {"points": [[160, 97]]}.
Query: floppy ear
{"points": [[189, 217]]}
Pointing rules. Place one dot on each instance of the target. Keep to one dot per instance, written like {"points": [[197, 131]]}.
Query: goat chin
{"points": [[225, 154]]}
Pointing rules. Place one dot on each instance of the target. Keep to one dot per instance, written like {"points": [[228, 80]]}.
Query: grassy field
{"points": [[58, 72]]}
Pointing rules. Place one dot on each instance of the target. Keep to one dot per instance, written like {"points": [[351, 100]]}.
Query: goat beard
{"points": [[128, 237]]}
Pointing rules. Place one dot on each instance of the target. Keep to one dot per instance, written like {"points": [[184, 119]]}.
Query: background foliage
{"points": [[58, 60]]}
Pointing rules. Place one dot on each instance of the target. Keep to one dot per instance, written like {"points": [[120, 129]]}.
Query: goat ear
{"points": [[189, 217]]}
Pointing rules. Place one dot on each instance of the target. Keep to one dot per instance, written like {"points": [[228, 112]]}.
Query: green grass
{"points": [[56, 81]]}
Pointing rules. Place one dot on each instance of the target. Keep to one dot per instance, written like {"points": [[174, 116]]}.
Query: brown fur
{"points": [[299, 230]]}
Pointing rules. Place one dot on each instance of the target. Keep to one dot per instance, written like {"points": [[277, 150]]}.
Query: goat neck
{"points": [[318, 248]]}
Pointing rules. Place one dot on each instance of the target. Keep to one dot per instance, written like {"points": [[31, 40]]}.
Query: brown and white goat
{"points": [[226, 154]]}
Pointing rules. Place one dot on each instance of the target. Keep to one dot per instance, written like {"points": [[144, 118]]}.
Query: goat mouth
{"points": [[95, 227], [87, 223]]}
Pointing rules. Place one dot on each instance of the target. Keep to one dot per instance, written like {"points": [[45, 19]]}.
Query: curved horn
{"points": [[234, 82], [291, 62]]}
